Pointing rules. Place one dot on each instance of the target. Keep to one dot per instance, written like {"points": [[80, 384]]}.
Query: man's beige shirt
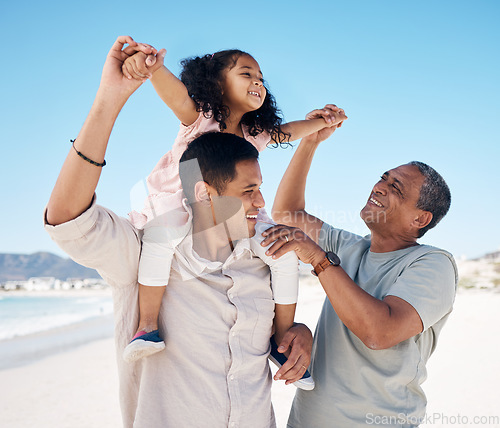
{"points": [[216, 319]]}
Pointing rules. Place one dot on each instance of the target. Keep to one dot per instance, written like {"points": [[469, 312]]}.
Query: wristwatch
{"points": [[331, 259]]}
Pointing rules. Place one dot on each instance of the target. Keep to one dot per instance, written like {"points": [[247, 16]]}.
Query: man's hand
{"points": [[334, 117], [75, 187], [113, 81], [292, 239], [300, 339]]}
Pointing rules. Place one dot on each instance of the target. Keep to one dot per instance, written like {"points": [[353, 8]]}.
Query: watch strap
{"points": [[323, 264]]}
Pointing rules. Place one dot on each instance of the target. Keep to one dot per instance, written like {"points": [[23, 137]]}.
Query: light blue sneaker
{"points": [[142, 345], [306, 382]]}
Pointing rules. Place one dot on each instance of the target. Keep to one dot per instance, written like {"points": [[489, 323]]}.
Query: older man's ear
{"points": [[423, 219]]}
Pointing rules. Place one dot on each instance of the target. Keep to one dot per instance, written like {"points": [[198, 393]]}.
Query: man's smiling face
{"points": [[246, 187], [392, 205]]}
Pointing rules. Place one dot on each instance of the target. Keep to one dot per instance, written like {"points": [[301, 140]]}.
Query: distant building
{"points": [[495, 256], [51, 283], [42, 283]]}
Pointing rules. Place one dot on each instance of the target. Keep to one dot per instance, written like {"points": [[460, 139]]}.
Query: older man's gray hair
{"points": [[435, 195]]}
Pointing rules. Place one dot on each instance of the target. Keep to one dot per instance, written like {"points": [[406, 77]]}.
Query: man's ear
{"points": [[423, 219], [202, 192]]}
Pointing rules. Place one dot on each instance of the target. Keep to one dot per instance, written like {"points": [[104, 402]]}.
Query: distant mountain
{"points": [[25, 266]]}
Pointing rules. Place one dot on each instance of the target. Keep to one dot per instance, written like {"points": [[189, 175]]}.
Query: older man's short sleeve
{"points": [[429, 285], [336, 240]]}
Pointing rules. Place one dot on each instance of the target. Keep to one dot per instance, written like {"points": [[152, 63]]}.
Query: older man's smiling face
{"points": [[392, 205]]}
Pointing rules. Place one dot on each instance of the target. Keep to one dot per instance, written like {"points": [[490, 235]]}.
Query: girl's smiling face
{"points": [[243, 86]]}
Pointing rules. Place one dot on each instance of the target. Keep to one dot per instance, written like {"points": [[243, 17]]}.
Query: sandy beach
{"points": [[77, 386]]}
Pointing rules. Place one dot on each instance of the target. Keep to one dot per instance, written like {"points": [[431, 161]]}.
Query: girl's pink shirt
{"points": [[164, 184]]}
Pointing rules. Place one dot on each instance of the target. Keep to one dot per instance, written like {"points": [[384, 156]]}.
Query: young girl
{"points": [[222, 92]]}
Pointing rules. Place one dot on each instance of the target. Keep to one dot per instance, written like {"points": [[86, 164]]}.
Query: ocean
{"points": [[25, 315]]}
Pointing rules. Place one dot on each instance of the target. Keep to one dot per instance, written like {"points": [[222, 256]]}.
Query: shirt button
{"points": [[233, 333], [231, 377], [233, 424], [231, 295]]}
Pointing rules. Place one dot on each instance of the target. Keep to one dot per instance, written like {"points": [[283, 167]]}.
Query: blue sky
{"points": [[418, 80]]}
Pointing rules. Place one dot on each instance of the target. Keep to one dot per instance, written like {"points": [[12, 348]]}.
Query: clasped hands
{"points": [[115, 81]]}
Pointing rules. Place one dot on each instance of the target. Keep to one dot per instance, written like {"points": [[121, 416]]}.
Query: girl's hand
{"points": [[141, 66]]}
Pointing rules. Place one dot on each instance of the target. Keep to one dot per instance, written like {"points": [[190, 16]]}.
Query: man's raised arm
{"points": [[77, 181], [289, 203]]}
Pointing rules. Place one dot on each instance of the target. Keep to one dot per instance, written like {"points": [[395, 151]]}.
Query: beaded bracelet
{"points": [[85, 157]]}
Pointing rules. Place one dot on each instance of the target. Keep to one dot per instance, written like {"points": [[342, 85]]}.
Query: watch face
{"points": [[334, 259]]}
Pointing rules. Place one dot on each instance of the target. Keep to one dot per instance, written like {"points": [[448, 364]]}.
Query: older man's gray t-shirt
{"points": [[358, 386]]}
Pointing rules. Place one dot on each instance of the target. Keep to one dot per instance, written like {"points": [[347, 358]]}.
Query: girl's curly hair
{"points": [[203, 78]]}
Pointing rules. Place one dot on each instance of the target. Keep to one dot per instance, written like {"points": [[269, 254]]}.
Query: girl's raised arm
{"points": [[170, 89], [175, 95]]}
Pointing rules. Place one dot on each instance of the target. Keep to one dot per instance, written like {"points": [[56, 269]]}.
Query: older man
{"points": [[218, 310], [387, 296]]}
